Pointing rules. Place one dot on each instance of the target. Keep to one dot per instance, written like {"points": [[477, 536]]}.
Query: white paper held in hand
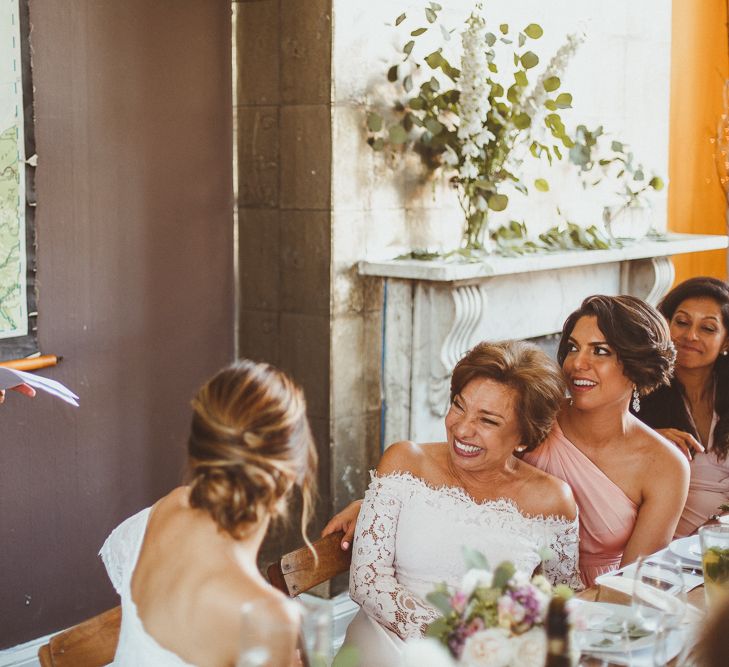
{"points": [[11, 378]]}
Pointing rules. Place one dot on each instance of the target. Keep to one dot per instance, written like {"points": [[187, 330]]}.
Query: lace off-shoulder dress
{"points": [[410, 537]]}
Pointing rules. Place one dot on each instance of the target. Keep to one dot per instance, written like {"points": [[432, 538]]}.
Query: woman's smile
{"points": [[466, 450]]}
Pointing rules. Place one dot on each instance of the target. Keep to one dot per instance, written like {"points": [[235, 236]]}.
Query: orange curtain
{"points": [[699, 67]]}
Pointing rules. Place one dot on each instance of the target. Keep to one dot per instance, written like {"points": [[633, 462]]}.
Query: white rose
{"points": [[474, 579], [529, 649], [421, 652], [487, 648]]}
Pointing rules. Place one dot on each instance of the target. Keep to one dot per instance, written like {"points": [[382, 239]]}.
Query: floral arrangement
{"points": [[476, 123], [494, 619]]}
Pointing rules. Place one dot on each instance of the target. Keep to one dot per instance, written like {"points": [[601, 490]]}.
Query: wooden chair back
{"points": [[298, 571], [91, 643]]}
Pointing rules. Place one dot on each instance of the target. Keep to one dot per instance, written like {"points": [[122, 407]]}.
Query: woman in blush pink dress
{"points": [[693, 411], [630, 484]]}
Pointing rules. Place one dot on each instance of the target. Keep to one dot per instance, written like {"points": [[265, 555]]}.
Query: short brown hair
{"points": [[523, 367], [249, 444], [635, 330]]}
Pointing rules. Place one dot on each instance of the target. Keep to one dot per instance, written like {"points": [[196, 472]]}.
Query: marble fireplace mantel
{"points": [[436, 310]]}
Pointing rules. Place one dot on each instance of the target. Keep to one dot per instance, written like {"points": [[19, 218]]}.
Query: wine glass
{"points": [[659, 602]]}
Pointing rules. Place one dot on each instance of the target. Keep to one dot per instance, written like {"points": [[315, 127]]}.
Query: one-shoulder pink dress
{"points": [[607, 515]]}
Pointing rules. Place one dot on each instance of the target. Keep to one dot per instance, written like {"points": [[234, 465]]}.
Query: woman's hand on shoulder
{"points": [[684, 441]]}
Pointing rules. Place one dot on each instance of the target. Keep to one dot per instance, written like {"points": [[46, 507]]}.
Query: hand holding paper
{"points": [[12, 379]]}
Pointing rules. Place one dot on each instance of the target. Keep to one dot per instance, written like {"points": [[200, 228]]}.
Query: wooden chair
{"points": [[91, 643], [298, 571]]}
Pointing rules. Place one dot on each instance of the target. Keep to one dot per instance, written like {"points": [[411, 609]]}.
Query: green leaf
{"points": [[435, 6], [550, 104], [348, 656], [497, 90], [407, 83], [564, 101], [434, 59], [374, 122], [513, 94], [392, 74], [437, 629], [482, 184], [535, 149], [407, 122], [534, 31], [617, 146], [490, 38], [493, 69], [418, 32], [474, 560], [433, 126], [407, 49], [541, 185], [400, 19], [551, 83], [504, 27], [638, 175], [521, 78], [434, 83], [416, 103], [398, 135], [502, 574], [440, 601], [557, 152], [498, 202], [522, 121], [430, 15], [529, 60], [522, 39], [656, 183], [378, 144]]}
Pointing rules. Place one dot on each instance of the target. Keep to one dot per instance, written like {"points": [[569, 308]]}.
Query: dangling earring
{"points": [[724, 353], [636, 400], [520, 449]]}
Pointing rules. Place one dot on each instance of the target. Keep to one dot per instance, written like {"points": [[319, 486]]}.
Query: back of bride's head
{"points": [[249, 445]]}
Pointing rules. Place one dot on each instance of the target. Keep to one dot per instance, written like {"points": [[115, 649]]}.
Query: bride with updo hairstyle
{"points": [[185, 568]]}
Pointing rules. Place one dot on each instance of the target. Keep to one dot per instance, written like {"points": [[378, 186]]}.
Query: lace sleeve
{"points": [[119, 551], [564, 542], [372, 582]]}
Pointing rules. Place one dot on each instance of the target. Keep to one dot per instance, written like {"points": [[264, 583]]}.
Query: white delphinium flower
{"points": [[450, 157], [488, 648], [473, 103], [474, 579], [556, 67], [420, 652]]}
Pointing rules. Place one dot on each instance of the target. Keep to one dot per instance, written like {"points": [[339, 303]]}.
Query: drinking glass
{"points": [[659, 601], [715, 561]]}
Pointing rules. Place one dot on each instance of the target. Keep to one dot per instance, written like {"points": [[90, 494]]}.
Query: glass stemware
{"points": [[659, 602]]}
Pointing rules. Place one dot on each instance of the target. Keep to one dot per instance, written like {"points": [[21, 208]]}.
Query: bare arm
{"points": [[664, 497]]}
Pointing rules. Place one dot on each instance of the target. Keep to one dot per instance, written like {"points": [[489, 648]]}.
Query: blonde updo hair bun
{"points": [[249, 445]]}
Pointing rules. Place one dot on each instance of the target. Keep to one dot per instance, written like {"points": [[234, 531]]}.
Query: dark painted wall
{"points": [[133, 127]]}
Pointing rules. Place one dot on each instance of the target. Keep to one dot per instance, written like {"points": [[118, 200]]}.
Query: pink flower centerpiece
{"points": [[494, 619]]}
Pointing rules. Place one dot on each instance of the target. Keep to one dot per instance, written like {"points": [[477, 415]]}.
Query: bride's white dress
{"points": [[120, 553], [410, 537]]}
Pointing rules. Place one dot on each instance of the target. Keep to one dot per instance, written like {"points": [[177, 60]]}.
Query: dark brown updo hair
{"points": [[635, 330], [249, 445], [534, 377]]}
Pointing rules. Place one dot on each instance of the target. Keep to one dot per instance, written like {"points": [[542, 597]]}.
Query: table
{"points": [[599, 593]]}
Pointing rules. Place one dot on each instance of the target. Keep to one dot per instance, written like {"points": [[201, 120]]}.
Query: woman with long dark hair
{"points": [[693, 410]]}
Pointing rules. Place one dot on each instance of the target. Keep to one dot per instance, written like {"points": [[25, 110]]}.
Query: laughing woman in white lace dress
{"points": [[427, 501], [185, 569]]}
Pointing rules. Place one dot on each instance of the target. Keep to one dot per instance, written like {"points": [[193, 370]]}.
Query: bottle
{"points": [[558, 639]]}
